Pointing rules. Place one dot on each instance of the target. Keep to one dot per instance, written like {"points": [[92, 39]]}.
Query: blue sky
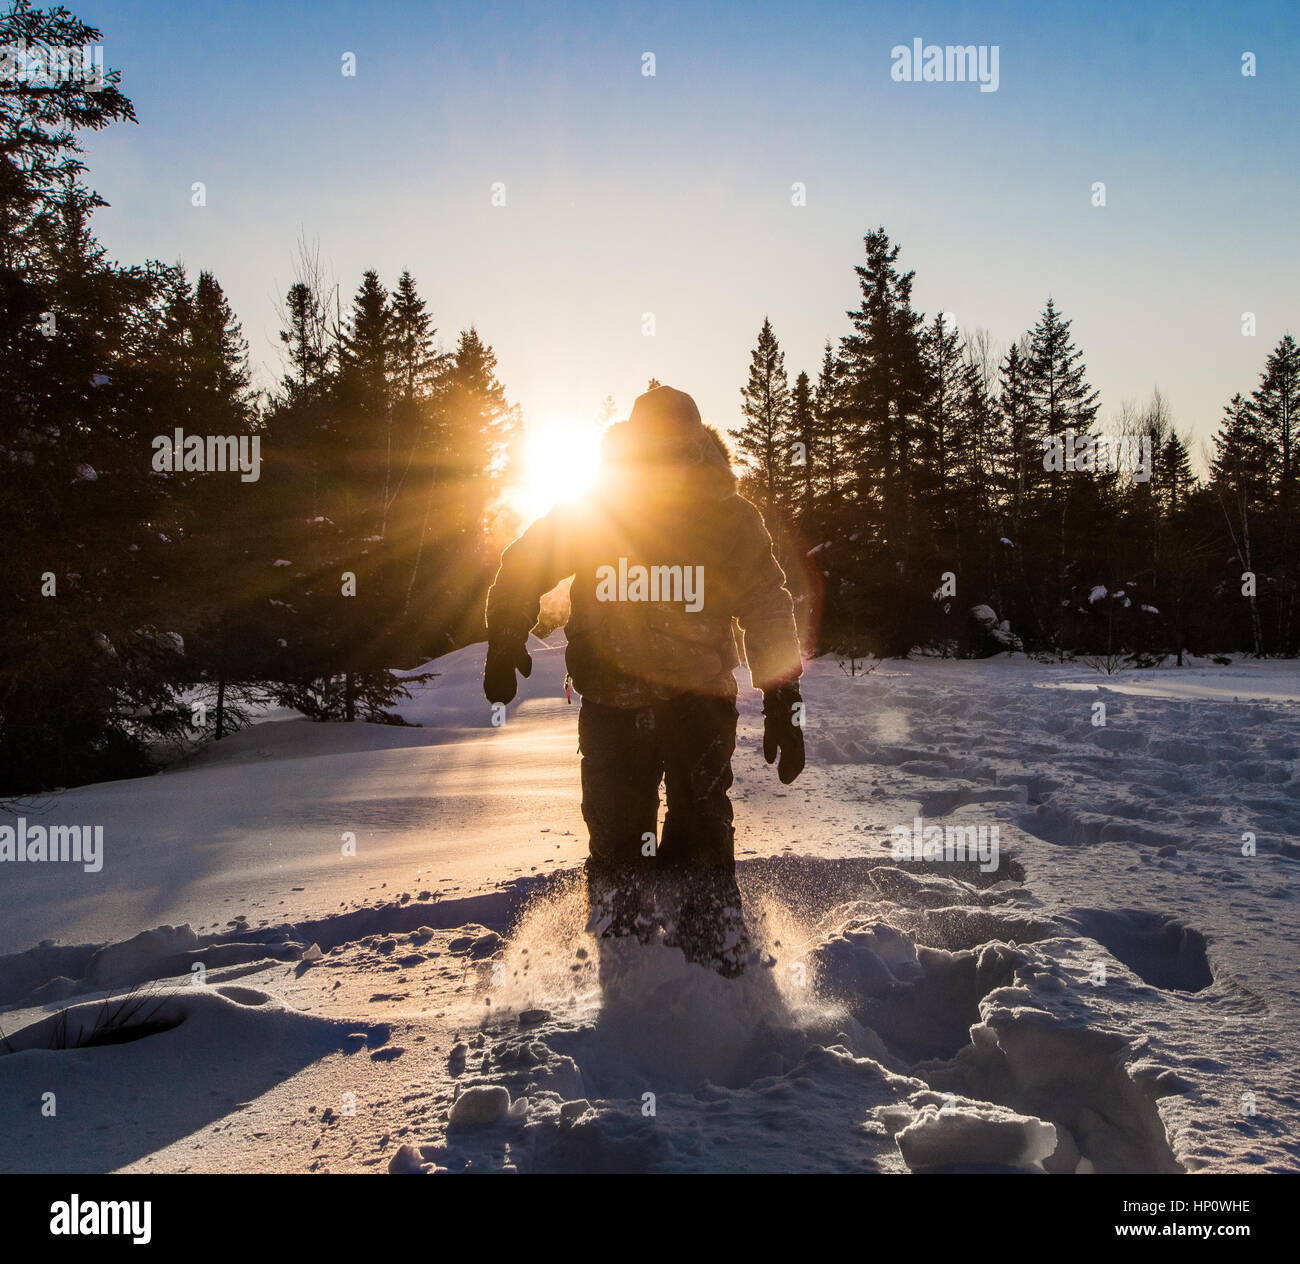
{"points": [[672, 194]]}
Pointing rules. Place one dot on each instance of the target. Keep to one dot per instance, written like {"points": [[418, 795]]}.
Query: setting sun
{"points": [[560, 462]]}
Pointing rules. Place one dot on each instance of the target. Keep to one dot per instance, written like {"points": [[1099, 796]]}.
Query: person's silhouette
{"points": [[667, 560]]}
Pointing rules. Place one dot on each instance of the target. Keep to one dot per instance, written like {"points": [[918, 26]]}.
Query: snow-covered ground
{"points": [[1116, 991]]}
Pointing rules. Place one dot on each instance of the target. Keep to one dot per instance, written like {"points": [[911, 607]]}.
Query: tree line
{"points": [[924, 475]]}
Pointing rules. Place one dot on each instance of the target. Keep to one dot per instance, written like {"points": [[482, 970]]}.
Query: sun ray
{"points": [[560, 462]]}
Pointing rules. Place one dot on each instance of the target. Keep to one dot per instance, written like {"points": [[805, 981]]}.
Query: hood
{"points": [[665, 446]]}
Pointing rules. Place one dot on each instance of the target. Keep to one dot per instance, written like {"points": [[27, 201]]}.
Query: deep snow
{"points": [[1117, 993]]}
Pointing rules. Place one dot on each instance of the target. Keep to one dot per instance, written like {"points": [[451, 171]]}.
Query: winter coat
{"points": [[667, 562]]}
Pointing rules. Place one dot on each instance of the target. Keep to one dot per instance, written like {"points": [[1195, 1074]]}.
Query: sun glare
{"points": [[560, 463]]}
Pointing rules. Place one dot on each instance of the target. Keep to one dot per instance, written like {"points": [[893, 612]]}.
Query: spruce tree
{"points": [[828, 414], [223, 536], [1240, 475], [1276, 406], [943, 413], [1059, 394], [365, 455], [803, 431], [883, 382], [764, 438], [483, 434], [419, 437]]}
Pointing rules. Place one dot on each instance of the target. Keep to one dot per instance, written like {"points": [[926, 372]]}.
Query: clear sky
{"points": [[671, 194]]}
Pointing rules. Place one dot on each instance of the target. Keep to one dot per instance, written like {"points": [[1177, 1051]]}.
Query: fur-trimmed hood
{"points": [[665, 445]]}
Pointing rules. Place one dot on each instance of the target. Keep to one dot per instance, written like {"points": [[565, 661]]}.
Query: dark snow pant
{"points": [[688, 883], [686, 743]]}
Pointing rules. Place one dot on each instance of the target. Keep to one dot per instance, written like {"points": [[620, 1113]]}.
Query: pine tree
{"points": [[418, 432], [979, 443], [828, 413], [1060, 398], [483, 434], [1183, 536], [222, 532], [803, 431], [1176, 477], [764, 438], [1242, 461], [1276, 405], [943, 412], [306, 342], [365, 459], [1022, 447], [1065, 502], [1240, 472], [39, 149], [416, 363], [883, 384]]}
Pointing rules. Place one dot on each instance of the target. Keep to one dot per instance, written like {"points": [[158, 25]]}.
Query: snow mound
{"points": [[974, 1134]]}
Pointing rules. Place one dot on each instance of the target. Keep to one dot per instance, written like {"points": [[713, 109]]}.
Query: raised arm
{"points": [[530, 568]]}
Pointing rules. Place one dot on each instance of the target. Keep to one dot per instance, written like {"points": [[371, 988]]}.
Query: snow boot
{"points": [[708, 925], [619, 906]]}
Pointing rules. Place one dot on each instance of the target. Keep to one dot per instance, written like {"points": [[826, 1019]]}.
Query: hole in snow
{"points": [[243, 995], [125, 1035], [1160, 950]]}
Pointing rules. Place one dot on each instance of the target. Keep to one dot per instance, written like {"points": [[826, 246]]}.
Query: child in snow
{"points": [[667, 559]]}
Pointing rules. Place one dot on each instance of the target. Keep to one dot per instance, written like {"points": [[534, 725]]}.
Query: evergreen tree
{"points": [[803, 431], [883, 384], [221, 531], [943, 413], [980, 441], [418, 433], [1060, 398], [1065, 504], [1022, 447], [1240, 471], [39, 147], [828, 414], [306, 342], [1275, 405], [483, 434], [763, 439], [363, 464], [416, 363]]}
